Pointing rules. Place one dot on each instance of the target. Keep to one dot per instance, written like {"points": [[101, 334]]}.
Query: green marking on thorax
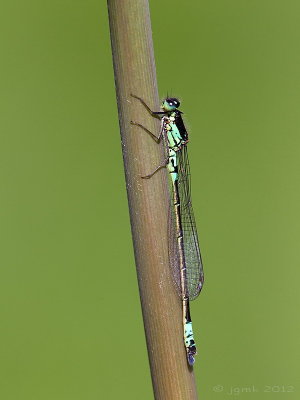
{"points": [[174, 138]]}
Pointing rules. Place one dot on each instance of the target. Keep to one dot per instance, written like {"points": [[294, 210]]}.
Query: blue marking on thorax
{"points": [[174, 137], [175, 142]]}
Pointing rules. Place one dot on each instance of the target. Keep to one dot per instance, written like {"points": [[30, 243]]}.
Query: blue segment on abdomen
{"points": [[172, 164]]}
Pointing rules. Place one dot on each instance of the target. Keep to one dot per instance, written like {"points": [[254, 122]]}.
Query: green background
{"points": [[71, 324]]}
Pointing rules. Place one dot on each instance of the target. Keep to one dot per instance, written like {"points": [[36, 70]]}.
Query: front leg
{"points": [[153, 113]]}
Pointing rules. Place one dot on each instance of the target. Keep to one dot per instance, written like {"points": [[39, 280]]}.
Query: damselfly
{"points": [[184, 252]]}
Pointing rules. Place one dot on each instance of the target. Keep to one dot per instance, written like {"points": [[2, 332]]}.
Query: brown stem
{"points": [[148, 199]]}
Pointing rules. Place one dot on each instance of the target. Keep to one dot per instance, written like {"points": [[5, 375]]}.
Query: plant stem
{"points": [[148, 199]]}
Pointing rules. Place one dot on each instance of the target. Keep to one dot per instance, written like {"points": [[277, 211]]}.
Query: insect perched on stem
{"points": [[184, 251]]}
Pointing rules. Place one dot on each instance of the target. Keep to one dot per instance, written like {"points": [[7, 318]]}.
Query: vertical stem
{"points": [[148, 199]]}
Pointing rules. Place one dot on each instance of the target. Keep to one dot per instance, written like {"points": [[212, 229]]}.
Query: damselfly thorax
{"points": [[175, 138]]}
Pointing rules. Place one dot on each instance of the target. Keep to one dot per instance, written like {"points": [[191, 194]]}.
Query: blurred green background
{"points": [[71, 324]]}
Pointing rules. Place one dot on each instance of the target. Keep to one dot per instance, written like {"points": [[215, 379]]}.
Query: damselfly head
{"points": [[170, 104]]}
